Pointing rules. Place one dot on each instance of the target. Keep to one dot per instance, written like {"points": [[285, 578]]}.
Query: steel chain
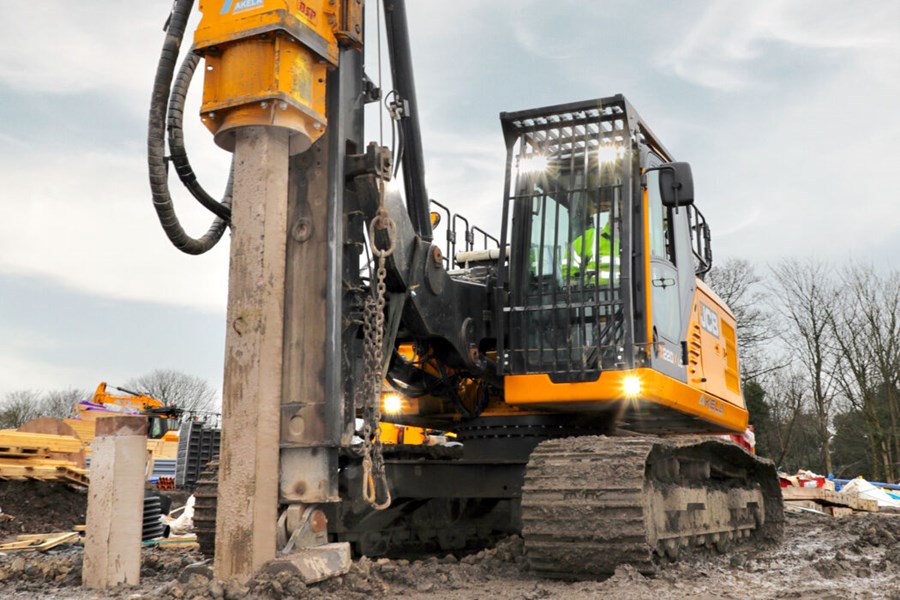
{"points": [[374, 475]]}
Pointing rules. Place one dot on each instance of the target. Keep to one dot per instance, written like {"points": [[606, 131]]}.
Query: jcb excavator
{"points": [[577, 357]]}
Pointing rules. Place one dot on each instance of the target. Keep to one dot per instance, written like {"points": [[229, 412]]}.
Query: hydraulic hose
{"points": [[156, 143], [178, 154]]}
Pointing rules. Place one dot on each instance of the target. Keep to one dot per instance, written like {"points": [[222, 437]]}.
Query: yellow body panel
{"points": [[712, 347], [538, 391], [648, 293], [401, 434], [266, 64]]}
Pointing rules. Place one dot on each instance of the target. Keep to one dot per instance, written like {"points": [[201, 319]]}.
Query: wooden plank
{"points": [[804, 504], [56, 427], [77, 479], [35, 536], [65, 538], [44, 442], [32, 461], [187, 541], [248, 473], [83, 429], [801, 510], [23, 452], [15, 546], [39, 471], [39, 542]]}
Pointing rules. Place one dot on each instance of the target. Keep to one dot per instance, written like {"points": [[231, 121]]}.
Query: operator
{"points": [[581, 255]]}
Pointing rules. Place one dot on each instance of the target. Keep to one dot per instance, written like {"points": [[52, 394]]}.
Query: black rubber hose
{"points": [[156, 143], [177, 152]]}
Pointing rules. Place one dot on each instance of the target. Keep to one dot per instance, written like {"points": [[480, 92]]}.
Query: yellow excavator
{"points": [[582, 364], [162, 420]]}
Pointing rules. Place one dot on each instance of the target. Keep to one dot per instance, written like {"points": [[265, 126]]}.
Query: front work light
{"points": [[610, 153], [392, 404], [533, 163], [631, 386]]}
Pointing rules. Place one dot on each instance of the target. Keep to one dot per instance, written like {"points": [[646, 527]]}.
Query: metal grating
{"points": [[565, 315]]}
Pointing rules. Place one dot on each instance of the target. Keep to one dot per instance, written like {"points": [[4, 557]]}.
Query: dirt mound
{"points": [[57, 574], [30, 573], [373, 579], [40, 507]]}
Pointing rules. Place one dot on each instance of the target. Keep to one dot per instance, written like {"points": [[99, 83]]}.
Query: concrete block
{"points": [[314, 564], [112, 545]]}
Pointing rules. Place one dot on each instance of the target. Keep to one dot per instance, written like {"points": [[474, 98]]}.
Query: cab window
{"points": [[661, 245]]}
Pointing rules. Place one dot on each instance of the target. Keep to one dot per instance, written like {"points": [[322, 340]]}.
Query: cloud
{"points": [[531, 36], [87, 222], [97, 46], [17, 373], [739, 222], [9, 140], [57, 337], [726, 47]]}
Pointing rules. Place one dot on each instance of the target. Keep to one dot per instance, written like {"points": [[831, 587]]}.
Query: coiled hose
{"points": [[177, 152], [160, 105]]}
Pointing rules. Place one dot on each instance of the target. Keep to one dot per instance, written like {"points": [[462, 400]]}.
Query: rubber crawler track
{"points": [[592, 503]]}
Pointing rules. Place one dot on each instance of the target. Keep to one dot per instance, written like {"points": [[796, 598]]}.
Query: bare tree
{"points": [[881, 308], [866, 326], [188, 392], [61, 403], [737, 283], [18, 407], [806, 295], [788, 402]]}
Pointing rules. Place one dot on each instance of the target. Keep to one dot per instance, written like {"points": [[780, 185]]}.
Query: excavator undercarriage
{"points": [[584, 504], [592, 503]]}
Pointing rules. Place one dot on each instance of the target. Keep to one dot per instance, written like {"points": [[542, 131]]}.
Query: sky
{"points": [[785, 109]]}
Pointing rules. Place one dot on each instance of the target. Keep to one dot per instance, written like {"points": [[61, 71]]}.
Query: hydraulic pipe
{"points": [[888, 486], [413, 161]]}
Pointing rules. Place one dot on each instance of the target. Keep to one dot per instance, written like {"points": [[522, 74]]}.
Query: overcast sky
{"points": [[787, 111]]}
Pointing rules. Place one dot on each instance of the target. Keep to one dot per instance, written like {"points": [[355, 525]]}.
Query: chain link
{"points": [[374, 475]]}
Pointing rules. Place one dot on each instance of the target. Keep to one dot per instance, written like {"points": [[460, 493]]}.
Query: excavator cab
{"points": [[603, 304], [569, 185]]}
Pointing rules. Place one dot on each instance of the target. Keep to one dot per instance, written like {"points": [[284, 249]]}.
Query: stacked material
{"points": [[879, 492], [26, 455], [811, 492]]}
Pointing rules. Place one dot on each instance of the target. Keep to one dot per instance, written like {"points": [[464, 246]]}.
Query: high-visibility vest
{"points": [[581, 257]]}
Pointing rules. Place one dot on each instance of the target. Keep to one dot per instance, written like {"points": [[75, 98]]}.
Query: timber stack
{"points": [[40, 456]]}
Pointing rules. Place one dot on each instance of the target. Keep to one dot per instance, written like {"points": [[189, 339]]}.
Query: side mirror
{"points": [[676, 184]]}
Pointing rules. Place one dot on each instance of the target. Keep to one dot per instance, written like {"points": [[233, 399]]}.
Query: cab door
{"points": [[665, 325]]}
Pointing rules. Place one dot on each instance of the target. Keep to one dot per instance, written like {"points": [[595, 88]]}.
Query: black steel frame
{"points": [[571, 129]]}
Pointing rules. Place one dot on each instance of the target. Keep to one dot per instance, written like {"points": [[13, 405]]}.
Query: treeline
{"points": [[188, 392], [820, 351], [20, 406]]}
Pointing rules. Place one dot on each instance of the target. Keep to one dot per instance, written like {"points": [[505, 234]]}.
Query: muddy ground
{"points": [[821, 557], [39, 507]]}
